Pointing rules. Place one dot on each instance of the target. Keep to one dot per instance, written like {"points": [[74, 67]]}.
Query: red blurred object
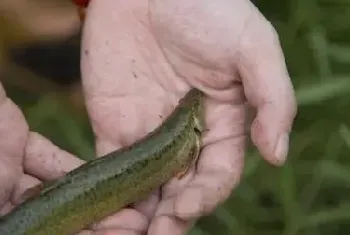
{"points": [[81, 3]]}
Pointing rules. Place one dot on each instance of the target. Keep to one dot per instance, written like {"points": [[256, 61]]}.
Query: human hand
{"points": [[26, 158], [198, 57], [140, 57]]}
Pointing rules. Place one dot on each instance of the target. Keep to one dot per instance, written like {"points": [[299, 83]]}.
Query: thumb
{"points": [[268, 88]]}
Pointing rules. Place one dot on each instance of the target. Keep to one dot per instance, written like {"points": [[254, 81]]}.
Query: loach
{"points": [[105, 185]]}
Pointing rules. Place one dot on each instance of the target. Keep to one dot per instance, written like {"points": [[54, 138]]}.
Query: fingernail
{"points": [[282, 147]]}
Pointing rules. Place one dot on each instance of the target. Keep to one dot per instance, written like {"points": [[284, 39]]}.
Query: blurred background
{"points": [[39, 68]]}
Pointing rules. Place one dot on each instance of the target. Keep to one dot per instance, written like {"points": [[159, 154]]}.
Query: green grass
{"points": [[309, 195]]}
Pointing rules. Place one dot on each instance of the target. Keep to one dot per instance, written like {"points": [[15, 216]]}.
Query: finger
{"points": [[9, 175], [165, 219], [169, 191], [6, 208], [219, 171], [148, 207], [109, 232], [85, 232], [13, 136], [170, 225], [126, 219], [115, 231], [13, 130], [45, 160], [268, 88], [220, 164], [174, 185], [26, 182]]}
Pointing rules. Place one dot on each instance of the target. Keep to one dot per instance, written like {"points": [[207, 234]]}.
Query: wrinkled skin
{"points": [[138, 58]]}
